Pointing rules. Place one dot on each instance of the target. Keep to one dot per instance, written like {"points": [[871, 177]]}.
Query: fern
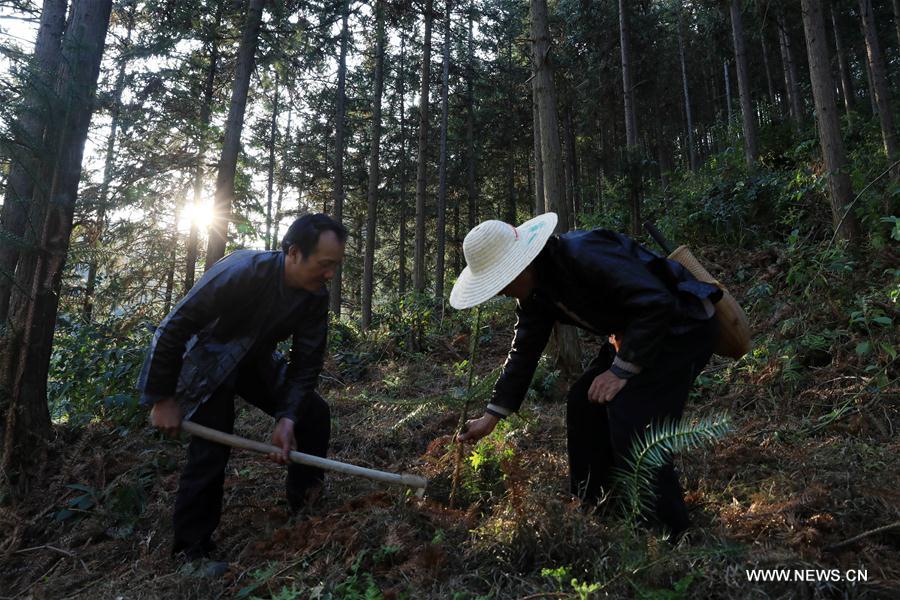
{"points": [[654, 449]]}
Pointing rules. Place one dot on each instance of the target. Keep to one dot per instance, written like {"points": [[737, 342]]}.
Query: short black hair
{"points": [[304, 232]]}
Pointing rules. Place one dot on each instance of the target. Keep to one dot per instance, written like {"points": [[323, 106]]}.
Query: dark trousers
{"points": [[600, 435], [198, 505]]}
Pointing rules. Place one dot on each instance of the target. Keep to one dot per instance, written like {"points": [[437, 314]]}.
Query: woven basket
{"points": [[734, 330]]}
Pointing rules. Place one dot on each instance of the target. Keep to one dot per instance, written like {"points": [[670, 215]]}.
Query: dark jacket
{"points": [[606, 283], [238, 311]]}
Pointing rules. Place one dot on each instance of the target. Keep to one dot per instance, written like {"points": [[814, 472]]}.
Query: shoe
{"points": [[204, 568]]}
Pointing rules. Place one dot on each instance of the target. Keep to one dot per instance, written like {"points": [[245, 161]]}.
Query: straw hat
{"points": [[496, 252]]}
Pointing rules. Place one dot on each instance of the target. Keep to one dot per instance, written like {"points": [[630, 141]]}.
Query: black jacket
{"points": [[239, 310], [606, 283]]}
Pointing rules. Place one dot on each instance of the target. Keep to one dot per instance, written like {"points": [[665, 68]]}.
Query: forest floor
{"points": [[809, 478]]}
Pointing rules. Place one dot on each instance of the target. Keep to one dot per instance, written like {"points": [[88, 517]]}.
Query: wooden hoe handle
{"points": [[214, 435]]}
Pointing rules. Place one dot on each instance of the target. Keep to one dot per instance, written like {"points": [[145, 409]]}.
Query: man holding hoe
{"points": [[607, 284], [220, 341]]}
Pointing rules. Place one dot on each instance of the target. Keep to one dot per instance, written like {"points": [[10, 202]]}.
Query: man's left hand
{"points": [[283, 437], [605, 387]]}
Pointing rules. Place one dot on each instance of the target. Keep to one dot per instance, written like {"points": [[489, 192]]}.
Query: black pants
{"points": [[600, 435], [198, 505]]}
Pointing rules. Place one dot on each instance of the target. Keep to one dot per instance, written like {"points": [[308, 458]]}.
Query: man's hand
{"points": [[605, 387], [475, 429], [283, 437], [166, 416]]}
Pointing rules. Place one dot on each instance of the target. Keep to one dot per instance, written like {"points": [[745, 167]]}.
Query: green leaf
{"points": [[863, 348]]}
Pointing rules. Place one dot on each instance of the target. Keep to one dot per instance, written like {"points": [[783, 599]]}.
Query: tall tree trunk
{"points": [[442, 165], [401, 91], [173, 259], [571, 161], [770, 82], [689, 120], [421, 167], [631, 135], [628, 88], [843, 67], [569, 351], [791, 82], [879, 82], [896, 6], [209, 88], [234, 125], [339, 130], [727, 93], [374, 166], [276, 239], [827, 120], [270, 170], [27, 343], [510, 159], [96, 234], [472, 190], [743, 76], [29, 140], [540, 204]]}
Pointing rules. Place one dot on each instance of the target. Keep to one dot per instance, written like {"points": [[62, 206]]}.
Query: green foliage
{"points": [[93, 371], [119, 505], [482, 475], [655, 448], [359, 585], [678, 591]]}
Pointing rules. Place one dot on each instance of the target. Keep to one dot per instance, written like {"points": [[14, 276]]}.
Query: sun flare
{"points": [[196, 214]]}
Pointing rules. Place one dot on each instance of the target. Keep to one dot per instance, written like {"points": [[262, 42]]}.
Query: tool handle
{"points": [[658, 237], [214, 435]]}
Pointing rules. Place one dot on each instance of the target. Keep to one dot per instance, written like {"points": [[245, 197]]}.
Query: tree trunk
{"points": [[770, 82], [212, 39], [727, 93], [96, 234], [276, 239], [692, 152], [896, 6], [401, 91], [470, 121], [442, 165], [791, 82], [628, 89], [27, 343], [631, 140], [571, 161], [569, 351], [509, 214], [879, 82], [270, 170], [224, 197], [843, 67], [743, 76], [374, 166], [540, 204], [339, 130], [421, 167], [827, 120], [28, 137]]}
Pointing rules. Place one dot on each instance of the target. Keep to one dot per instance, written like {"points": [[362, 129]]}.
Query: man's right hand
{"points": [[476, 429], [166, 416]]}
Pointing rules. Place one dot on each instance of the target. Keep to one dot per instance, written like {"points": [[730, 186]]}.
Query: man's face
{"points": [[314, 271], [520, 287]]}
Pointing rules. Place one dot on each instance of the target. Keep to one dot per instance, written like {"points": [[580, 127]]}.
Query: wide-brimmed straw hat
{"points": [[496, 252]]}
